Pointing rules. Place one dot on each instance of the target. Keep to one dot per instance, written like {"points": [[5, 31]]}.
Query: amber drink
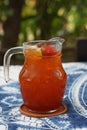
{"points": [[42, 78]]}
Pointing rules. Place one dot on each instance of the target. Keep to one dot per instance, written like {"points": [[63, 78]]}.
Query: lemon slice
{"points": [[33, 51]]}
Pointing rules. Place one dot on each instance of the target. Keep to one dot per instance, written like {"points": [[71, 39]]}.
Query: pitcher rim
{"points": [[48, 41]]}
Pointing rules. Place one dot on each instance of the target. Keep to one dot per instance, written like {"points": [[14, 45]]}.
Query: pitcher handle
{"points": [[7, 57]]}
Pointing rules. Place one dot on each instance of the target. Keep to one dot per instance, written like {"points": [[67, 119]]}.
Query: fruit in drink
{"points": [[48, 50]]}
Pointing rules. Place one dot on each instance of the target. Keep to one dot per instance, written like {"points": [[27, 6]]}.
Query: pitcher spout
{"points": [[59, 42]]}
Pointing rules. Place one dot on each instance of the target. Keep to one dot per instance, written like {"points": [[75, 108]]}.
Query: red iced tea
{"points": [[42, 80]]}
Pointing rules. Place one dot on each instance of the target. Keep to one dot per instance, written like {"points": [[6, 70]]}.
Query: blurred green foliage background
{"points": [[24, 20]]}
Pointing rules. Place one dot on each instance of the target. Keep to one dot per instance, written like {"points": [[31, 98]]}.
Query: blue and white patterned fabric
{"points": [[75, 98]]}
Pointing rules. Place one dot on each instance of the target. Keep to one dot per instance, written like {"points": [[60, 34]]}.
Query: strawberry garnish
{"points": [[48, 50]]}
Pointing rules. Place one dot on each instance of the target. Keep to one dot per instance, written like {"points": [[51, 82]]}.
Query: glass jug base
{"points": [[27, 112]]}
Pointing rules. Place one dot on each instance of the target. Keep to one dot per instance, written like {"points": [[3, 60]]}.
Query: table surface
{"points": [[75, 98]]}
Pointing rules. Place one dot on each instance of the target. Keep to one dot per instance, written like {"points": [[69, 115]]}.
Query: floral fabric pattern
{"points": [[75, 98]]}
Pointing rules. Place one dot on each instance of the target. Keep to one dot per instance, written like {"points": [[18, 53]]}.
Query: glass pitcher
{"points": [[42, 78]]}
